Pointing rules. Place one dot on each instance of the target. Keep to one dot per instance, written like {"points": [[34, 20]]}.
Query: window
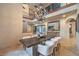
{"points": [[40, 29], [53, 7]]}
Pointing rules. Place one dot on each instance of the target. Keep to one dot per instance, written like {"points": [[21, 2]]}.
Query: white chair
{"points": [[45, 50], [32, 51], [57, 45], [53, 41], [58, 38], [18, 52], [29, 51], [50, 42]]}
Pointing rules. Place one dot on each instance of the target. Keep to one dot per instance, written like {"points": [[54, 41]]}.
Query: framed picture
{"points": [[54, 26], [27, 28]]}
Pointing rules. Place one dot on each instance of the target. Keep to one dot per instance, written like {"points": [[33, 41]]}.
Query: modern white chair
{"points": [[58, 37], [19, 52], [29, 51], [45, 50], [56, 40], [57, 44], [52, 42]]}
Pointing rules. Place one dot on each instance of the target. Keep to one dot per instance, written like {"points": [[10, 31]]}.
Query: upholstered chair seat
{"points": [[45, 49]]}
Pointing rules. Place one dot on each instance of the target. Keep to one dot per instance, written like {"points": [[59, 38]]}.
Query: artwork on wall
{"points": [[54, 26], [27, 28]]}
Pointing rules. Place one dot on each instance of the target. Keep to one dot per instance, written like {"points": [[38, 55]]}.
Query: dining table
{"points": [[33, 42]]}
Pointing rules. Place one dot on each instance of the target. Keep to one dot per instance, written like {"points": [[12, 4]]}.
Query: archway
{"points": [[71, 22]]}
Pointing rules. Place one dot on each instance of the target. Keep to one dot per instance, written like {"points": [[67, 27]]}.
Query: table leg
{"points": [[35, 53], [24, 47]]}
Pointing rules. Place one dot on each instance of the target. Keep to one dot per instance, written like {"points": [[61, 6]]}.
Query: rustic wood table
{"points": [[33, 42]]}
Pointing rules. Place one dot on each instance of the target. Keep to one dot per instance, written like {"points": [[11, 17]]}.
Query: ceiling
{"points": [[29, 8]]}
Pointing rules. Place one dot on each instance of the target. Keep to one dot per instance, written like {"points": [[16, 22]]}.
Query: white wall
{"points": [[64, 31], [64, 26], [10, 24]]}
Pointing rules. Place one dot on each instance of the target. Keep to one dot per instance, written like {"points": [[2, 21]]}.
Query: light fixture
{"points": [[39, 13], [64, 15], [34, 20]]}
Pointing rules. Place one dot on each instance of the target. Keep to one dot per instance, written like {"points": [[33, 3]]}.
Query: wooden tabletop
{"points": [[28, 42]]}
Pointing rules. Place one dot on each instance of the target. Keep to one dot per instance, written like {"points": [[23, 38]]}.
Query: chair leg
{"points": [[54, 51], [53, 54], [58, 48]]}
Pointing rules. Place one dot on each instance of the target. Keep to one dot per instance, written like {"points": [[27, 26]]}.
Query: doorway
{"points": [[72, 27]]}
